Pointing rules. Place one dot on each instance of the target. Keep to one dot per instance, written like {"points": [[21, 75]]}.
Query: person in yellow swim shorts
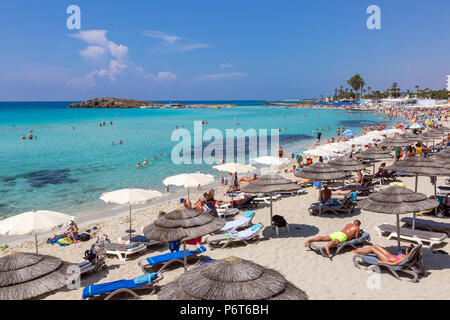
{"points": [[351, 231]]}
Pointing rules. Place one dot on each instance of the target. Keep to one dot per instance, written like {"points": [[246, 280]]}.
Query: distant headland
{"points": [[114, 103]]}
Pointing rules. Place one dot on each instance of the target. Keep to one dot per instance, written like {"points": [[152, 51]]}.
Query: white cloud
{"points": [[167, 75], [220, 76], [101, 46], [93, 52], [161, 35], [95, 37], [226, 65], [173, 42], [163, 75]]}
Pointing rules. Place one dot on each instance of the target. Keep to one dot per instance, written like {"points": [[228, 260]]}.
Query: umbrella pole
{"points": [[35, 240], [271, 212], [435, 197], [185, 259], [188, 194], [320, 197], [131, 232], [414, 214], [398, 232]]}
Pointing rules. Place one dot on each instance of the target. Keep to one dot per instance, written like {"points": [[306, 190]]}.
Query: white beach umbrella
{"points": [[416, 126], [271, 161], [320, 153], [234, 167], [336, 147], [130, 196], [188, 180], [33, 222]]}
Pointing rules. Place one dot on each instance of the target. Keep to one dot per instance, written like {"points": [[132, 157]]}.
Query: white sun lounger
{"points": [[418, 236], [293, 192], [227, 212], [248, 234], [240, 222], [123, 251], [267, 199]]}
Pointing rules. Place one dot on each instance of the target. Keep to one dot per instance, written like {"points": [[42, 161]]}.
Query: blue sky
{"points": [[208, 49]]}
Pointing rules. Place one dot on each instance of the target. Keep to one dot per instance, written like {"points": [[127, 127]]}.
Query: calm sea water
{"points": [[73, 161]]}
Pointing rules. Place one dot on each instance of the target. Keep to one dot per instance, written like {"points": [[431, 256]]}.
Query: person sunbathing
{"points": [[384, 255], [246, 179], [351, 231], [72, 231], [241, 201]]}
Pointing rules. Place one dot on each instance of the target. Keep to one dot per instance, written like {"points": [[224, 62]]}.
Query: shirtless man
{"points": [[351, 231], [326, 194]]}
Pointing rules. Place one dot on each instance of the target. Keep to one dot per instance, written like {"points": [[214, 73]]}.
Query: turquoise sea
{"points": [[73, 161]]}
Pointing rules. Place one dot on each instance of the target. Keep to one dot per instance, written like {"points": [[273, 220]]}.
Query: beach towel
{"points": [[102, 288], [65, 241], [162, 258]]}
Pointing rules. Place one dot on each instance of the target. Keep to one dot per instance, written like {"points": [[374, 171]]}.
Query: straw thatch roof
{"points": [[231, 279], [432, 135], [345, 163], [397, 200], [29, 275], [268, 184], [183, 224], [421, 166], [411, 136], [397, 141], [321, 171], [443, 154], [374, 153]]}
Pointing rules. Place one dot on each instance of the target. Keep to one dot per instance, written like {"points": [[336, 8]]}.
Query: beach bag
{"points": [[85, 237], [279, 221]]}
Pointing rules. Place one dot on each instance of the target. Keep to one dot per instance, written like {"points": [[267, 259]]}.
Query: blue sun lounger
{"points": [[145, 281], [169, 258]]}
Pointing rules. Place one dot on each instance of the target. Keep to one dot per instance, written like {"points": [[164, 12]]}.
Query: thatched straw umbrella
{"points": [[375, 154], [29, 275], [322, 172], [269, 184], [396, 141], [420, 166], [443, 155], [183, 225], [231, 279], [432, 135], [345, 163], [411, 136], [397, 200]]}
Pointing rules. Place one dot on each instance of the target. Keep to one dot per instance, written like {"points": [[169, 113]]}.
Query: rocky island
{"points": [[114, 103]]}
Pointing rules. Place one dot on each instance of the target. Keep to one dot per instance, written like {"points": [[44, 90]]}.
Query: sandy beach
{"points": [[318, 276]]}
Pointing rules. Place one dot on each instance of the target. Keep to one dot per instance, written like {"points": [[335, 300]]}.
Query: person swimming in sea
{"points": [[23, 137], [138, 165], [154, 157], [145, 163], [120, 142], [30, 136]]}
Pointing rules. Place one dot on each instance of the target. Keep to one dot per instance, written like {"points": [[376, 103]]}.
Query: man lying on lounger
{"points": [[351, 231]]}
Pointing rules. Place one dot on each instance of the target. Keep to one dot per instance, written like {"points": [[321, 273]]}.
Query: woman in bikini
{"points": [[384, 255]]}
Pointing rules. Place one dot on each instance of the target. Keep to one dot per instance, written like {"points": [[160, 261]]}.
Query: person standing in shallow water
{"points": [[280, 152]]}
